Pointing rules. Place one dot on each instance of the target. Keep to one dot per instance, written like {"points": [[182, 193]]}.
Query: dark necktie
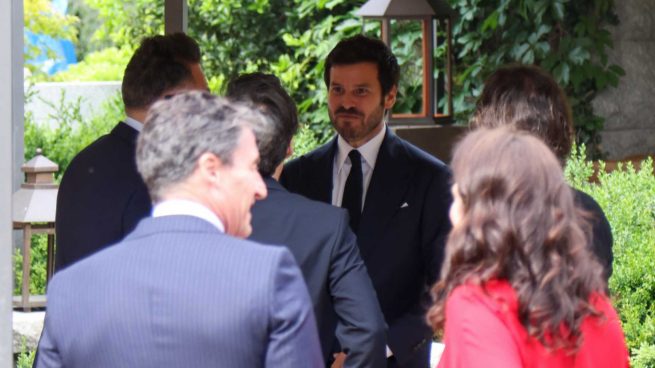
{"points": [[352, 191]]}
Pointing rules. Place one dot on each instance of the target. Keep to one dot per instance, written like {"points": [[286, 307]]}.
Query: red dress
{"points": [[483, 330]]}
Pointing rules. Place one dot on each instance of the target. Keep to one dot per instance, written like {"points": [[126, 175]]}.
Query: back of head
{"points": [[361, 49], [161, 63], [179, 130], [520, 224], [527, 98], [266, 92]]}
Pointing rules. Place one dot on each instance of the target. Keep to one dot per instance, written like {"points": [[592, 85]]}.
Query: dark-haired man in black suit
{"points": [[345, 304], [101, 196], [397, 195]]}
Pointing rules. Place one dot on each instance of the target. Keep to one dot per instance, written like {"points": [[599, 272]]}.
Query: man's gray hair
{"points": [[179, 130]]}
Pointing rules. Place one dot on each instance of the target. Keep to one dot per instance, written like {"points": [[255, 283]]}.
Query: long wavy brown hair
{"points": [[519, 224]]}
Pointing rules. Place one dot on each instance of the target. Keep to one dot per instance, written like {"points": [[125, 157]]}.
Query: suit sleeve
{"points": [[475, 337], [293, 339], [361, 327], [48, 355]]}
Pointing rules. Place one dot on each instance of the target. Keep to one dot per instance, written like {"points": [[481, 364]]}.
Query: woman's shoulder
{"points": [[496, 295]]}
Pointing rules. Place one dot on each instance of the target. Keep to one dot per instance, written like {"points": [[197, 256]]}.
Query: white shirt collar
{"points": [[187, 208], [368, 150], [137, 125]]}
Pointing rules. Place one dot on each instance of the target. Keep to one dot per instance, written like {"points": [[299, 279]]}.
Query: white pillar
{"points": [[11, 143]]}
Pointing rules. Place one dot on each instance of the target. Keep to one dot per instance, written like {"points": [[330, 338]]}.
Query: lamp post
{"points": [[34, 207], [431, 14]]}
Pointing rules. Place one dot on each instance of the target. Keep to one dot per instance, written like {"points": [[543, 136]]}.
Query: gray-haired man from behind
{"points": [[346, 307], [182, 290]]}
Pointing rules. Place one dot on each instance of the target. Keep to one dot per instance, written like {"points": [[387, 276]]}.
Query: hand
{"points": [[339, 359]]}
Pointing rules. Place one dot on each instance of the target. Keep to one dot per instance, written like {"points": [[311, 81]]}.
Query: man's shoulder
{"points": [[111, 147], [187, 234], [110, 157], [297, 201], [409, 154]]}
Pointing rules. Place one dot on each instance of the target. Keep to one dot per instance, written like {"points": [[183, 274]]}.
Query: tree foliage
{"points": [[292, 37], [288, 38], [41, 18]]}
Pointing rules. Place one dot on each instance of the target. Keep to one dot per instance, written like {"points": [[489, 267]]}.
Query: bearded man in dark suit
{"points": [[398, 196], [318, 235]]}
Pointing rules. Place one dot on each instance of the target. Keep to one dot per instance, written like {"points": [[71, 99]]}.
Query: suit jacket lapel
{"points": [[387, 187]]}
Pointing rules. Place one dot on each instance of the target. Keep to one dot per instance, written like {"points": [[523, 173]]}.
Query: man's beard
{"points": [[356, 129]]}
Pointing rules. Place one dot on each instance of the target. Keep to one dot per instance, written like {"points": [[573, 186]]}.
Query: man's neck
{"points": [[137, 114], [278, 171]]}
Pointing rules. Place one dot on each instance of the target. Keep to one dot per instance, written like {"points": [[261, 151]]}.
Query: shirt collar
{"points": [[187, 208], [137, 125], [368, 150]]}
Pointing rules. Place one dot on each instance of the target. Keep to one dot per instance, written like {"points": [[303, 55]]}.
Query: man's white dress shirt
{"points": [[341, 167], [175, 207]]}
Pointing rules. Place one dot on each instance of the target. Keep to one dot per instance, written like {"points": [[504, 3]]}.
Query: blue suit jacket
{"points": [[178, 293], [326, 250], [101, 197], [401, 235]]}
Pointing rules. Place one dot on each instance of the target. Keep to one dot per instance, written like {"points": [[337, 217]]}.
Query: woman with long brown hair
{"points": [[518, 286]]}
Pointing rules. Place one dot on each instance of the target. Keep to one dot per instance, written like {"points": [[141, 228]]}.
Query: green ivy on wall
{"points": [[568, 38]]}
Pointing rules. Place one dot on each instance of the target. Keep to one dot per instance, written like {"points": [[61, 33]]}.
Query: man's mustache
{"points": [[350, 111]]}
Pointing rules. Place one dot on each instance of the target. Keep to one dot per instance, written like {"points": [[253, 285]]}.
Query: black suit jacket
{"points": [[600, 233], [101, 197], [326, 250], [401, 235]]}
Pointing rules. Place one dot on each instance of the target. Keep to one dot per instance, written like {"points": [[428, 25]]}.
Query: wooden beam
{"points": [[176, 14]]}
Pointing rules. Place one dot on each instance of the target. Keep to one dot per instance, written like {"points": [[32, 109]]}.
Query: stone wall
{"points": [[629, 109]]}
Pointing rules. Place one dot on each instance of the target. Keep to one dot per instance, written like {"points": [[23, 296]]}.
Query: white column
{"points": [[11, 143]]}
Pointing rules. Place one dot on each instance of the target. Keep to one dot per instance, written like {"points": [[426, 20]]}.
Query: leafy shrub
{"points": [[627, 197], [303, 142], [644, 357], [68, 132], [38, 262], [25, 358], [105, 65]]}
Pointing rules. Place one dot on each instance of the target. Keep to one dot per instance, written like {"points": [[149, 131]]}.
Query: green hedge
{"points": [[627, 197]]}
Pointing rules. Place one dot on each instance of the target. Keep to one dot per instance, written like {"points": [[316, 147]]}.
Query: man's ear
{"points": [[390, 97], [290, 149], [210, 167]]}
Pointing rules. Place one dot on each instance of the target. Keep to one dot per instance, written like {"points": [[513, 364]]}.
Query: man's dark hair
{"points": [[527, 98], [266, 93], [360, 49], [159, 64]]}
